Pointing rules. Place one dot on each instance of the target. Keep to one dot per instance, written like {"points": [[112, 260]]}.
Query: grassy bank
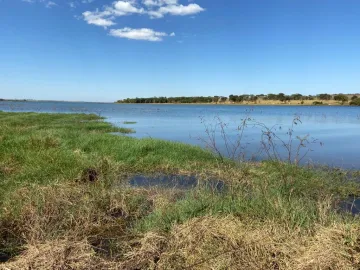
{"points": [[65, 204]]}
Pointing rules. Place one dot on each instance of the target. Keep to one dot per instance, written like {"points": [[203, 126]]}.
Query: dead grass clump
{"points": [[336, 247], [221, 243], [60, 254], [228, 243], [146, 252]]}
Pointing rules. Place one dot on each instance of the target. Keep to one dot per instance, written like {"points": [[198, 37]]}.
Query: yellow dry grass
{"points": [[229, 243], [210, 243], [61, 254]]}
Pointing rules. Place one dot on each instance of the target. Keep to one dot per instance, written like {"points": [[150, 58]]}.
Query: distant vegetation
{"points": [[355, 101], [321, 99], [3, 99]]}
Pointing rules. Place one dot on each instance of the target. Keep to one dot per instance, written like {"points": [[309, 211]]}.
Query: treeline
{"points": [[3, 99], [342, 98]]}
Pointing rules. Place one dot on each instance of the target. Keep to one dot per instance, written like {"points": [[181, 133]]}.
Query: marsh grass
{"points": [[65, 204]]}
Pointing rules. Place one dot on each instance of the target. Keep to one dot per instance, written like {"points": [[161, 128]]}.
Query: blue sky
{"points": [[95, 50]]}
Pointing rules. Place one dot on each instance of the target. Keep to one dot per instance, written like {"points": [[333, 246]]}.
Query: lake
{"points": [[333, 131]]}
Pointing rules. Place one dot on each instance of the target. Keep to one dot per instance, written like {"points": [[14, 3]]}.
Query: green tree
{"points": [[355, 102], [342, 98], [324, 96], [281, 97], [296, 96]]}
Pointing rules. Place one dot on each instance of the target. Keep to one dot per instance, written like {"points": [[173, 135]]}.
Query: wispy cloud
{"points": [[47, 4], [138, 34], [107, 16], [159, 2], [72, 4], [50, 4], [177, 10], [99, 18], [153, 8]]}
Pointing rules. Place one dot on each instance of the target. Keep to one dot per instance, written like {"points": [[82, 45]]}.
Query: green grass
{"points": [[46, 198]]}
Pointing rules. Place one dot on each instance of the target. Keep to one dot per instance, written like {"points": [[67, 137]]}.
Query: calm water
{"points": [[336, 129]]}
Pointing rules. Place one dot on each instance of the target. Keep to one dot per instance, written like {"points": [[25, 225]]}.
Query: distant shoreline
{"points": [[251, 99], [261, 103], [242, 104]]}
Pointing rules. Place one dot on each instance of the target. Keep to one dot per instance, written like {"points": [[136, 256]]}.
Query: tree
{"points": [[354, 97], [355, 102], [272, 97], [281, 97], [253, 98], [296, 96], [216, 99], [233, 98], [324, 96], [341, 97], [223, 99]]}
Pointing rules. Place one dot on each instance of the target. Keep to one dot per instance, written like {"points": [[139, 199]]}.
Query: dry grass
{"points": [[209, 243], [55, 255], [333, 247], [228, 243]]}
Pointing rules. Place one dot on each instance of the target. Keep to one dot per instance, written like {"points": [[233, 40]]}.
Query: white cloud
{"points": [[98, 18], [176, 10], [153, 8], [138, 34], [121, 8], [106, 17], [180, 10]]}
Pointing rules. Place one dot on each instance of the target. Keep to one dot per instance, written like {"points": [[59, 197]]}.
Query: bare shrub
{"points": [[292, 149], [272, 143]]}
